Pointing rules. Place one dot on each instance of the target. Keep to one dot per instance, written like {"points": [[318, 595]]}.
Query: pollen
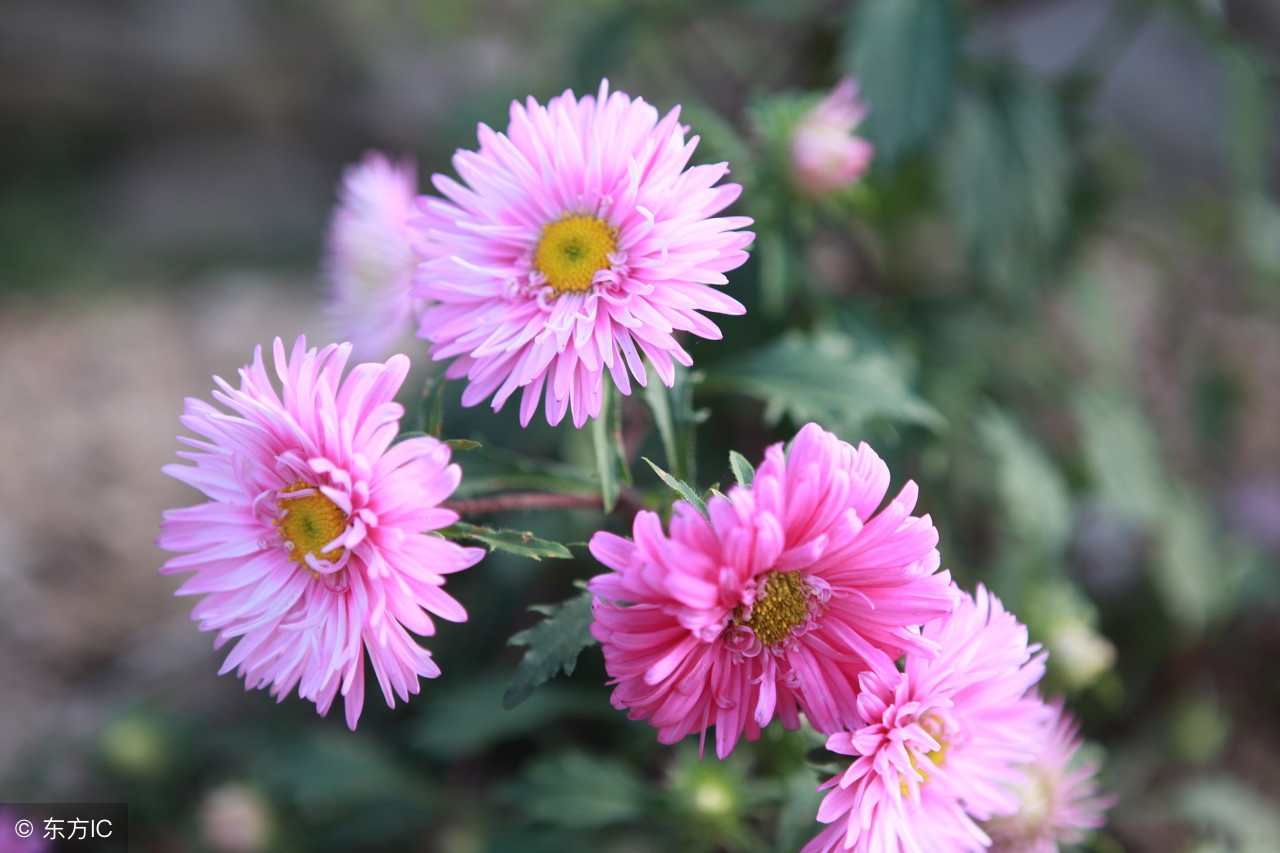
{"points": [[572, 250], [309, 521], [781, 604]]}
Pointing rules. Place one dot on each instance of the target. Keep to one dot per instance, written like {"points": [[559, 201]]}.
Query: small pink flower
{"points": [[1059, 799], [579, 244], [313, 547], [942, 744], [369, 259], [794, 587], [825, 155]]}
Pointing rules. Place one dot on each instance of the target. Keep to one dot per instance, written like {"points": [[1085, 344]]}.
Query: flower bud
{"points": [[825, 155]]}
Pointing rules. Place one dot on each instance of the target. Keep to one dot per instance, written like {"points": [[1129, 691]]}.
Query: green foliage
{"points": [[743, 471], [554, 645], [518, 542], [581, 791], [825, 378], [611, 456], [905, 54], [1228, 806], [680, 487], [1195, 571], [472, 717], [1034, 498], [1006, 173]]}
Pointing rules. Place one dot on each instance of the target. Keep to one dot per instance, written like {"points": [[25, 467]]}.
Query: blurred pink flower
{"points": [[775, 606], [579, 243], [942, 744], [825, 155], [312, 548], [12, 841], [369, 258], [1059, 799]]}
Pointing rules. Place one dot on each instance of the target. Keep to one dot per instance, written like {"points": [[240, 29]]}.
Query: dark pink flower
{"points": [[773, 607]]}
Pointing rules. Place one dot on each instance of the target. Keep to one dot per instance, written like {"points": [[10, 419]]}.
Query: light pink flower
{"points": [[312, 548], [1058, 801], [825, 155], [794, 587], [369, 259], [943, 743], [578, 244]]}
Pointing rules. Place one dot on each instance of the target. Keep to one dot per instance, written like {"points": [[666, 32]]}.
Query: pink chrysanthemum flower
{"points": [[312, 547], [794, 587], [1058, 801], [369, 257], [579, 243], [942, 743], [825, 155]]}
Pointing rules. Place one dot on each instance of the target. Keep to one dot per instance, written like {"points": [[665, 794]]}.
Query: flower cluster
{"points": [[796, 596], [575, 243]]}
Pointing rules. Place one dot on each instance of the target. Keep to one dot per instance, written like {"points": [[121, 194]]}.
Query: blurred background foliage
{"points": [[1054, 302]]}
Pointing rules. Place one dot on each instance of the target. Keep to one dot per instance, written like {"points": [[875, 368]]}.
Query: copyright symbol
{"points": [[23, 828]]}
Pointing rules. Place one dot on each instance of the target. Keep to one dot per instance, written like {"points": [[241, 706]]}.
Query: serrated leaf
{"points": [[1123, 458], [1194, 572], [743, 471], [518, 542], [904, 54], [681, 488], [554, 645], [1006, 173], [1035, 500], [574, 789], [824, 378]]}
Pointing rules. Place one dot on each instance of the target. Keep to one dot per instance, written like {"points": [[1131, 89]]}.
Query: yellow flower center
{"points": [[309, 522], [782, 603], [572, 250], [934, 727]]}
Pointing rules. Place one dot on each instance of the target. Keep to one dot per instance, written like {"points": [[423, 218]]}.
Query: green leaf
{"points": [[470, 718], [1036, 503], [1123, 458], [824, 378], [1006, 174], [743, 471], [611, 460], [520, 543], [656, 394], [574, 789], [1226, 804], [431, 408], [462, 444], [904, 54], [554, 645], [1194, 571], [681, 488]]}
